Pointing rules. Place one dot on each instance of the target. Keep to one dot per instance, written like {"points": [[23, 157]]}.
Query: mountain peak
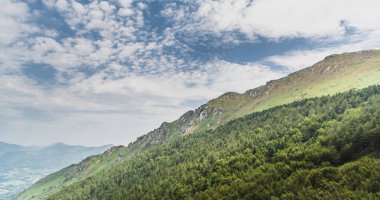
{"points": [[57, 144]]}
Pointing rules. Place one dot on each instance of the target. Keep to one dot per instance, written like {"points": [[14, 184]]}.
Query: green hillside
{"points": [[337, 73], [322, 147]]}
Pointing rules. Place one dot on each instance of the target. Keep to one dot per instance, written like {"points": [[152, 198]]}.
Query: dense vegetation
{"points": [[311, 149]]}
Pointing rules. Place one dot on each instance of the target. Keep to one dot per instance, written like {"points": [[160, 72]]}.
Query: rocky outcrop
{"points": [[181, 126], [192, 118], [262, 90], [159, 135], [111, 150]]}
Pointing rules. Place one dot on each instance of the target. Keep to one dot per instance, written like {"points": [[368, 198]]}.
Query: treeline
{"points": [[320, 148]]}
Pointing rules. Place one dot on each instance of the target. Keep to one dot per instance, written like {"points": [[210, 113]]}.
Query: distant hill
{"points": [[21, 166], [5, 147], [55, 156], [334, 74]]}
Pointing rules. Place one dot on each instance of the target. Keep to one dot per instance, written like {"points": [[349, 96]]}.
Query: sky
{"points": [[105, 72]]}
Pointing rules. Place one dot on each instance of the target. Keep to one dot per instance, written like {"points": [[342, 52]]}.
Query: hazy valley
{"points": [[22, 166]]}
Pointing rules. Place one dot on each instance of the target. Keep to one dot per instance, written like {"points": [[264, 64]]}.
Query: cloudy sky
{"points": [[104, 72]]}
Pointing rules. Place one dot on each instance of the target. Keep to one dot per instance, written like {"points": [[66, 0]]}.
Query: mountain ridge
{"points": [[191, 121], [336, 73]]}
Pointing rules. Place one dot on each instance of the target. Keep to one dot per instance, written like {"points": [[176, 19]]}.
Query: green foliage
{"points": [[319, 148]]}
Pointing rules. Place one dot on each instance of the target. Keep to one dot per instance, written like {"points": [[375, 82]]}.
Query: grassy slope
{"points": [[89, 167], [336, 73]]}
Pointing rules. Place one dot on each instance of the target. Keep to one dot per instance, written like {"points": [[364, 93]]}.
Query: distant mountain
{"points": [[55, 156], [334, 74], [5, 147], [21, 166]]}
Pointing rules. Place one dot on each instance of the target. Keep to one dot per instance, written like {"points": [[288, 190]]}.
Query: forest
{"points": [[317, 148]]}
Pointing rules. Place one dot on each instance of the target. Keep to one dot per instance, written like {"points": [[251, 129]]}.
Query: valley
{"points": [[21, 166]]}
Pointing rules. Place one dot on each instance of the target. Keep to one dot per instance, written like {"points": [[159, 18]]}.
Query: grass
{"points": [[70, 175], [310, 84]]}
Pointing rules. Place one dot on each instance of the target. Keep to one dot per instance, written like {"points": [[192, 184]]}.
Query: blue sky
{"points": [[100, 72]]}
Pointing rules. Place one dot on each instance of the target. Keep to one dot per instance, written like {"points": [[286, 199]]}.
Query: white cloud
{"points": [[78, 7], [278, 19], [62, 4], [117, 79], [110, 111], [125, 12], [296, 60], [13, 17], [126, 3]]}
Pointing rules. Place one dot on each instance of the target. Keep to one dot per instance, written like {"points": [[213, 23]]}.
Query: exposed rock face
{"points": [[191, 118], [259, 91], [263, 90], [228, 95], [112, 149], [159, 134], [181, 125]]}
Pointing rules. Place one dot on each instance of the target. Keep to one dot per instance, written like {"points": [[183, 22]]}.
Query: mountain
{"points": [[59, 155], [334, 74], [326, 147], [5, 147], [22, 166]]}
